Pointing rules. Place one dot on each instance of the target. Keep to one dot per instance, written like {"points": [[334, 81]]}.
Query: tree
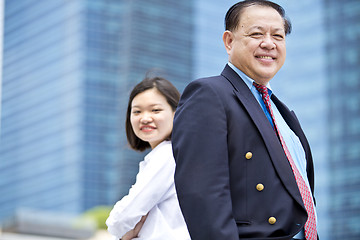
{"points": [[97, 214]]}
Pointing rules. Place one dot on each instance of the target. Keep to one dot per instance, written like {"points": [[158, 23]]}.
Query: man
{"points": [[243, 165]]}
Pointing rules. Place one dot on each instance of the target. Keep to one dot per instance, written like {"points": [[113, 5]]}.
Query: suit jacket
{"points": [[224, 146]]}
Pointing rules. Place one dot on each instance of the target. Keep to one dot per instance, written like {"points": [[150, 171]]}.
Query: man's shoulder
{"points": [[218, 84], [211, 81], [223, 77]]}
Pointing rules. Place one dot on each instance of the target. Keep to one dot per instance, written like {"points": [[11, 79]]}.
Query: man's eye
{"points": [[256, 34], [278, 36]]}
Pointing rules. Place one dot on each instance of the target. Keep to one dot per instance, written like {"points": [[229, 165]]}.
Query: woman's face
{"points": [[151, 117]]}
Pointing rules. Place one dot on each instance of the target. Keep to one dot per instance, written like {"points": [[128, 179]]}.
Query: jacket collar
{"points": [[271, 141]]}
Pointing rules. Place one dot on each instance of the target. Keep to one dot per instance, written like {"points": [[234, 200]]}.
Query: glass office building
{"points": [[67, 71], [343, 61], [210, 56]]}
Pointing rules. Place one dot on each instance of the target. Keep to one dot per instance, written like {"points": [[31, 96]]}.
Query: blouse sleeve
{"points": [[152, 183]]}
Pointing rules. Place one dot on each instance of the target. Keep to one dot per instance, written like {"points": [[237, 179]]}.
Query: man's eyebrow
{"points": [[262, 28], [257, 27]]}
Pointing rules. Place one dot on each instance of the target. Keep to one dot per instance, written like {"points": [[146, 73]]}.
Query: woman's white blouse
{"points": [[154, 193]]}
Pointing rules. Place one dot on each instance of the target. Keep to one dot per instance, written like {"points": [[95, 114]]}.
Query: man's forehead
{"points": [[252, 17], [256, 9]]}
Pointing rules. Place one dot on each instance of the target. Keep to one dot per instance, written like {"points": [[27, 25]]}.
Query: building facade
{"points": [[68, 69], [343, 60]]}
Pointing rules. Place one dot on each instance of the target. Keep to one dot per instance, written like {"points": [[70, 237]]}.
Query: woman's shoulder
{"points": [[164, 149]]}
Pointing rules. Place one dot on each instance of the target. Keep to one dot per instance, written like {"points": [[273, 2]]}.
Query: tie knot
{"points": [[261, 88]]}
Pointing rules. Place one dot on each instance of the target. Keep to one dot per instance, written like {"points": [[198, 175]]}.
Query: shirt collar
{"points": [[248, 81]]}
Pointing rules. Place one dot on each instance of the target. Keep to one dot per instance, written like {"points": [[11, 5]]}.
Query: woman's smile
{"points": [[151, 117]]}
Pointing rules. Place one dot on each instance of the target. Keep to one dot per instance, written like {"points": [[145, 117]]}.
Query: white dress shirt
{"points": [[154, 193]]}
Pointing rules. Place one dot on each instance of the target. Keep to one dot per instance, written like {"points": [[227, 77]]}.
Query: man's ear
{"points": [[228, 38]]}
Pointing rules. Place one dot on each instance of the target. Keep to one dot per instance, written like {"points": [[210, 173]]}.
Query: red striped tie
{"points": [[310, 225]]}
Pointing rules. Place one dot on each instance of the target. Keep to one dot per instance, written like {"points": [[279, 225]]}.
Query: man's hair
{"points": [[166, 88], [233, 15]]}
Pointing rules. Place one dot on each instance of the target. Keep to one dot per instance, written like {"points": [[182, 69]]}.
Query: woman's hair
{"points": [[233, 15], [166, 88]]}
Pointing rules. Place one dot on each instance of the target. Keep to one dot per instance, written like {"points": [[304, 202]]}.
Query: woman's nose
{"points": [[146, 117]]}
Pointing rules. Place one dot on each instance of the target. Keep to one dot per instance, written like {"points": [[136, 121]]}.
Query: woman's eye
{"points": [[136, 112], [156, 110]]}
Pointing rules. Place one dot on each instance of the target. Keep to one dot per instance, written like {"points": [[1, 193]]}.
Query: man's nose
{"points": [[267, 42]]}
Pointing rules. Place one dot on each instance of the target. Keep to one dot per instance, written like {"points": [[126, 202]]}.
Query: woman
{"points": [[151, 209]]}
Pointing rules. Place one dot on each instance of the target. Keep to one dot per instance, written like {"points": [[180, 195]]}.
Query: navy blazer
{"points": [[224, 146]]}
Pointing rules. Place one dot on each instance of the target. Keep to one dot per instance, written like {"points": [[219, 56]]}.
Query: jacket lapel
{"points": [[294, 124], [271, 141]]}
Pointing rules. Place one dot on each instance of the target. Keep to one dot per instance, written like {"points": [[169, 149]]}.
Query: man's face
{"points": [[257, 47]]}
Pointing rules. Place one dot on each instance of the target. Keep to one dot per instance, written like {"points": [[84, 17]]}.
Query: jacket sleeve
{"points": [[202, 170], [152, 183]]}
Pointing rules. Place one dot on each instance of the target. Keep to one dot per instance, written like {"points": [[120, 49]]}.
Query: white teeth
{"points": [[265, 57]]}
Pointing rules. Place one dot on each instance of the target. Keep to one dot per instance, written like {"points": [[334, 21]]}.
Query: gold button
{"points": [[248, 155], [259, 187], [272, 220]]}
